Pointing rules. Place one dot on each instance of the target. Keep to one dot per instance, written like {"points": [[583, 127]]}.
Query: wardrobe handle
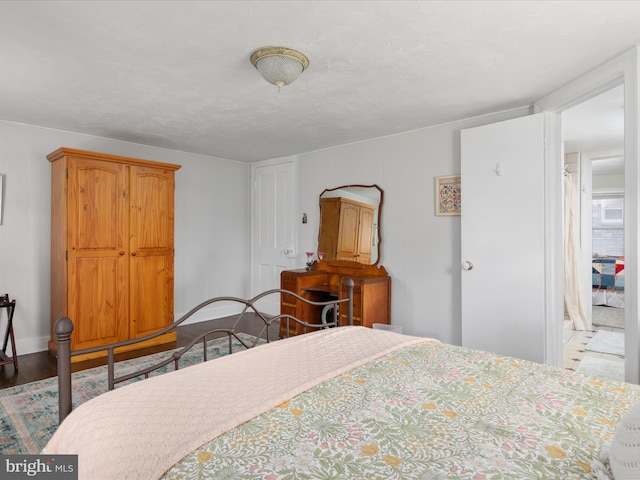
{"points": [[133, 254]]}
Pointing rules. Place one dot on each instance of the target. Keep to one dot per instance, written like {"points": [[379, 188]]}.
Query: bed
{"points": [[607, 274], [351, 403]]}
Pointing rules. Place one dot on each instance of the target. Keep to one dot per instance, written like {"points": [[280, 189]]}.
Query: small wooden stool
{"points": [[10, 305]]}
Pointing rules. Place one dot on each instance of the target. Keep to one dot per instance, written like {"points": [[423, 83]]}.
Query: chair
{"points": [[10, 305]]}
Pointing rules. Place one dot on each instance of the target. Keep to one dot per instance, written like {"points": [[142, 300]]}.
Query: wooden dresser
{"points": [[326, 280]]}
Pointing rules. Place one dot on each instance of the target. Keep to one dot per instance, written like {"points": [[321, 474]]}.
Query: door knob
{"points": [[467, 265]]}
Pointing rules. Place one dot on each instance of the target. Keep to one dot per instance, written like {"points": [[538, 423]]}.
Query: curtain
{"points": [[574, 301]]}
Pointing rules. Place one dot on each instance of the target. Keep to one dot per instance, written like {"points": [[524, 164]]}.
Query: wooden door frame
{"points": [[623, 69]]}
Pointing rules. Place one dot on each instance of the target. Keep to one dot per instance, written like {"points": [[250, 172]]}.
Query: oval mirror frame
{"points": [[364, 194]]}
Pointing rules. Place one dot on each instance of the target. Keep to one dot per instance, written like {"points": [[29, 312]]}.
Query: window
{"points": [[612, 211], [608, 225]]}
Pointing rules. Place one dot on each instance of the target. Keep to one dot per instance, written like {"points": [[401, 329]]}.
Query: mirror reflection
{"points": [[350, 223]]}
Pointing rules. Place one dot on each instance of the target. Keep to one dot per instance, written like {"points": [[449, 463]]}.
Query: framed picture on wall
{"points": [[448, 198]]}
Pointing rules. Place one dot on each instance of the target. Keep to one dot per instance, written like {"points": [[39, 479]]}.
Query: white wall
{"points": [[420, 251], [211, 223], [607, 181]]}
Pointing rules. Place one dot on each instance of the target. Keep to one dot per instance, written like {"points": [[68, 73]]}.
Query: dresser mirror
{"points": [[350, 223]]}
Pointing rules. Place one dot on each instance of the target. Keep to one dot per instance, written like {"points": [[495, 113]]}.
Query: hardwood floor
{"points": [[38, 366]]}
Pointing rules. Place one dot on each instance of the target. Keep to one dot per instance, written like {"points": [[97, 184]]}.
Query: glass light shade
{"points": [[279, 70], [279, 65]]}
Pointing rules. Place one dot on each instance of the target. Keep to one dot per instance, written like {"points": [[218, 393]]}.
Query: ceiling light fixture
{"points": [[279, 65]]}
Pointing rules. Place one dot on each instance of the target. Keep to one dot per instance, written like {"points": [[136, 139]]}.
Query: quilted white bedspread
{"points": [[142, 429]]}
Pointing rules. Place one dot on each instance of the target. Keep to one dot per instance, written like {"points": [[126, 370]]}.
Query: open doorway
{"points": [[594, 142]]}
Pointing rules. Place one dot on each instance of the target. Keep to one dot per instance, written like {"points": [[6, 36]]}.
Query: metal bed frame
{"points": [[64, 328]]}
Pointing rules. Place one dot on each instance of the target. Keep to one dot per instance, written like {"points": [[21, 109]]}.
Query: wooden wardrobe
{"points": [[346, 230], [112, 247]]}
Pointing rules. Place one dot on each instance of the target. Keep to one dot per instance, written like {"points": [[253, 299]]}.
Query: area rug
{"points": [[602, 367], [607, 316], [29, 412], [607, 342]]}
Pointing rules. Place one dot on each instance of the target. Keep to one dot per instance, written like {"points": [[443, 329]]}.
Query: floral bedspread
{"points": [[427, 411]]}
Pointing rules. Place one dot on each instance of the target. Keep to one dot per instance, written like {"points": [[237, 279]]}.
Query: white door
{"points": [[273, 233], [504, 251]]}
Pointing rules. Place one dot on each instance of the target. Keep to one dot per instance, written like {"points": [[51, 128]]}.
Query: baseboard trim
{"points": [[212, 312], [30, 345], [40, 344]]}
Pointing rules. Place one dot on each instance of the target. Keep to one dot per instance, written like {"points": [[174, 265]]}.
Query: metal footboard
{"points": [[64, 328]]}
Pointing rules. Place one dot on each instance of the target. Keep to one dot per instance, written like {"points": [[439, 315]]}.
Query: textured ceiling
{"points": [[177, 74]]}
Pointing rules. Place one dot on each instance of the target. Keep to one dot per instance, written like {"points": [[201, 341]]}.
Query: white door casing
{"points": [[623, 69], [586, 212], [273, 231], [586, 222], [505, 171]]}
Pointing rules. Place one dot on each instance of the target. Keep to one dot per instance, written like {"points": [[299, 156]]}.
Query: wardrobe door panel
{"points": [[97, 301], [348, 236], [151, 243], [152, 211], [151, 294], [365, 235], [99, 191], [98, 277]]}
